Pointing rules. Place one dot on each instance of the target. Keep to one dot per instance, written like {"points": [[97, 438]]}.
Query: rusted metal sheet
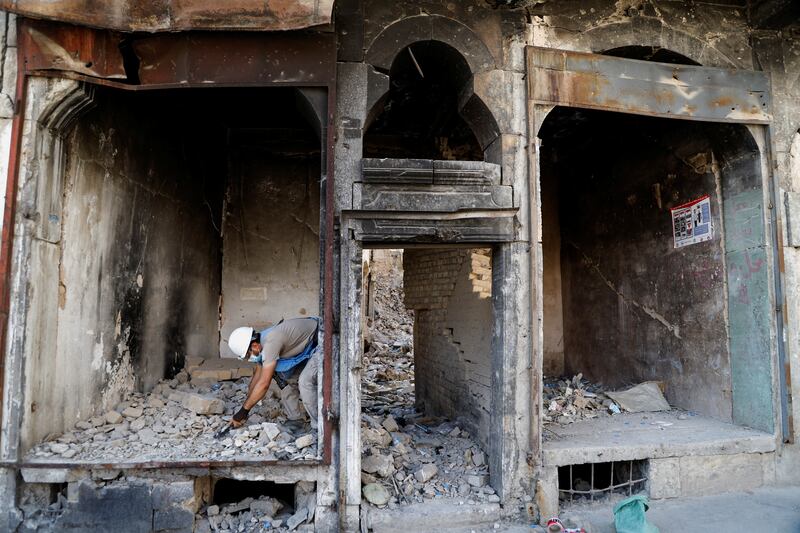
{"points": [[179, 59], [236, 58], [179, 15], [53, 46], [593, 81]]}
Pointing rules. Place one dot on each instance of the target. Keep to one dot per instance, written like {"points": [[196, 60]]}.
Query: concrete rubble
{"points": [[260, 514], [571, 400], [566, 401], [177, 421], [408, 457]]}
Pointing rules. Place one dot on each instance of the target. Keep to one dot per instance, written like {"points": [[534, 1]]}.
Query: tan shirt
{"points": [[287, 339]]}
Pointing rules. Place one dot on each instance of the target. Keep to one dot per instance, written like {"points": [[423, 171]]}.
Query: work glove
{"points": [[241, 415]]}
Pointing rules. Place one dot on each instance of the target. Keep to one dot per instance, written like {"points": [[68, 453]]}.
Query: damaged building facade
{"points": [[177, 169]]}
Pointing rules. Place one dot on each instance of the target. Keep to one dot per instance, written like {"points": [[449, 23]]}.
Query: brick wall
{"points": [[450, 292]]}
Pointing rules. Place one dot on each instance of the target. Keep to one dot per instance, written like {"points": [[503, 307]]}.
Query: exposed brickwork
{"points": [[449, 291]]}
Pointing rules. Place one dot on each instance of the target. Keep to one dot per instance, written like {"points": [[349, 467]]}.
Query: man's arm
{"points": [[253, 379], [257, 390]]}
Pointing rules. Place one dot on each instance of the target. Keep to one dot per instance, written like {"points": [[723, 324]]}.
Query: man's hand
{"points": [[240, 417]]}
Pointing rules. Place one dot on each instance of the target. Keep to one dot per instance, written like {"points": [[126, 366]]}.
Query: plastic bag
{"points": [[629, 516]]}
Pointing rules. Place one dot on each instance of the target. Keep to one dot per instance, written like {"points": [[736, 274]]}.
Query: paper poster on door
{"points": [[691, 222]]}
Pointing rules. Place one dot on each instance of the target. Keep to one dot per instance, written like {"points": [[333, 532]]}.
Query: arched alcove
{"points": [[420, 116], [621, 34]]}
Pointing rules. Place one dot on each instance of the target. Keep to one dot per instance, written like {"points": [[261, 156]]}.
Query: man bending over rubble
{"points": [[280, 352]]}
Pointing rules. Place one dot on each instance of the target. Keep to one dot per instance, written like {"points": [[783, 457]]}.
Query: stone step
{"points": [[438, 515]]}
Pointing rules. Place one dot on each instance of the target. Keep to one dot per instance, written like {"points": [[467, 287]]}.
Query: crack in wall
{"points": [[652, 313]]}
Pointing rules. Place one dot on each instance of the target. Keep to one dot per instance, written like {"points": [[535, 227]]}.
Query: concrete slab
{"points": [[648, 435], [765, 509], [431, 516]]}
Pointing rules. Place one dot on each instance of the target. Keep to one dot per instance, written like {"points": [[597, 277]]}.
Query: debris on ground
{"points": [[261, 514], [406, 456], [425, 458], [570, 400], [573, 399], [178, 420]]}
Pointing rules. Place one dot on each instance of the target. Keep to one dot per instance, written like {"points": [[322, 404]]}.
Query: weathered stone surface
{"points": [[173, 519], [434, 198], [114, 508], [148, 436], [701, 475], [665, 478], [376, 494]]}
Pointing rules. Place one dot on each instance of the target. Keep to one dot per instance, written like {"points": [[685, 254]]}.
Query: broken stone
{"points": [[478, 458], [155, 401], [390, 424], [296, 519], [376, 494], [426, 472], [203, 405], [383, 465], [113, 417], [268, 506], [376, 437], [304, 441], [138, 424], [148, 436], [477, 481], [59, 448], [132, 412]]}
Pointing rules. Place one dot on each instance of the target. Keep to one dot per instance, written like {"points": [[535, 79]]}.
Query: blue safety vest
{"points": [[285, 366]]}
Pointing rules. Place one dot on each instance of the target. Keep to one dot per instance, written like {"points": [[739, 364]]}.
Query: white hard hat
{"points": [[239, 341]]}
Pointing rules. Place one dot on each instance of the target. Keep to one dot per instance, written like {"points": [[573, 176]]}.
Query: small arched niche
{"points": [[420, 116]]}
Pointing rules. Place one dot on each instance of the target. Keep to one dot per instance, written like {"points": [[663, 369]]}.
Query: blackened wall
{"points": [[139, 261], [636, 308]]}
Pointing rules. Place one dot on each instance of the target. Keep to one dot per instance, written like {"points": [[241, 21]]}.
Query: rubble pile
{"points": [[388, 364], [407, 457], [408, 460], [178, 419], [260, 514], [570, 400]]}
